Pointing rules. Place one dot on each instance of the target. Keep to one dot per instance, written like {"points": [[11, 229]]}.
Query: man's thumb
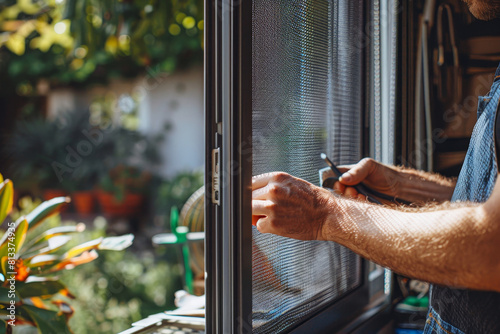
{"points": [[358, 173]]}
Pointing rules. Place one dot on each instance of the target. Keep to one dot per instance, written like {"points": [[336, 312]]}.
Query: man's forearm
{"points": [[453, 246], [423, 187]]}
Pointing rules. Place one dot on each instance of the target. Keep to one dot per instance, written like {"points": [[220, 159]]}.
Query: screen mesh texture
{"points": [[307, 84]]}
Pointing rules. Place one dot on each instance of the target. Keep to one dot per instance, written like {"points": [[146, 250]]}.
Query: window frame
{"points": [[228, 116]]}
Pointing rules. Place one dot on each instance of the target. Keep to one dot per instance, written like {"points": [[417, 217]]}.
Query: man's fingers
{"points": [[361, 197], [261, 207], [263, 225], [260, 181], [261, 193], [339, 188], [345, 168], [358, 173], [255, 219], [351, 192]]}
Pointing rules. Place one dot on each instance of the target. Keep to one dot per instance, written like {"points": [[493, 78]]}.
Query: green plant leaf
{"points": [[49, 246], [85, 257], [39, 289], [4, 265], [77, 250], [63, 307], [4, 295], [45, 210], [48, 322], [22, 317], [15, 240], [6, 235], [3, 326], [110, 243], [56, 231], [117, 243], [43, 260], [21, 231], [6, 198]]}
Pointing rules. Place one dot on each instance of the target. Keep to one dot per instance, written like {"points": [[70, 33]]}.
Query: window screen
{"points": [[307, 77]]}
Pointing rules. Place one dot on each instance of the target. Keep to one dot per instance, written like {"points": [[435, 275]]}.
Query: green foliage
{"points": [[33, 147], [176, 191], [29, 261], [85, 41], [37, 154], [82, 153], [121, 146], [120, 288], [125, 179]]}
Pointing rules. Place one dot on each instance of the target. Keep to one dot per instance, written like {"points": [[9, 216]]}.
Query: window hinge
{"points": [[216, 176]]}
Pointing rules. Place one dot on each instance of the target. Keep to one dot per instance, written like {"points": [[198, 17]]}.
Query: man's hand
{"points": [[290, 207], [404, 183], [373, 174]]}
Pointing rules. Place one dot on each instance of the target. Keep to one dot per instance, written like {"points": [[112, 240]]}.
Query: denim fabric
{"points": [[462, 310], [436, 325]]}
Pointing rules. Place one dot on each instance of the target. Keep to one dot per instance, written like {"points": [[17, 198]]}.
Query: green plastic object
{"points": [[174, 219], [417, 302], [181, 234]]}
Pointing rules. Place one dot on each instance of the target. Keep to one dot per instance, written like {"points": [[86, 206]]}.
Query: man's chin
{"points": [[484, 11]]}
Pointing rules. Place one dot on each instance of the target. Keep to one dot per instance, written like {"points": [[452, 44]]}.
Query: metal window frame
{"points": [[228, 116]]}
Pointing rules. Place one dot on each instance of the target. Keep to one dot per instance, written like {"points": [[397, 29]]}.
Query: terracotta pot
{"points": [[53, 193], [84, 201], [130, 206], [16, 198]]}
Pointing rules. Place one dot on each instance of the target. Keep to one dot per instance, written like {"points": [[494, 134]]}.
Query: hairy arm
{"points": [[405, 183], [419, 186], [448, 245]]}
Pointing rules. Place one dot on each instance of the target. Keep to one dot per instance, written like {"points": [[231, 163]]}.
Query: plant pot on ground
{"points": [[84, 201], [50, 193], [129, 206], [45, 158], [84, 180], [121, 191]]}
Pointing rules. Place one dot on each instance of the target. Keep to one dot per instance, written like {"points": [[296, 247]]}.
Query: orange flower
{"points": [[22, 271]]}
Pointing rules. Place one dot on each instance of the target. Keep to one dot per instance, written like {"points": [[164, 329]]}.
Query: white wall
{"points": [[176, 99]]}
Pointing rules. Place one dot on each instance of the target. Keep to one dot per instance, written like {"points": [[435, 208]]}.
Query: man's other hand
{"points": [[373, 174], [290, 207]]}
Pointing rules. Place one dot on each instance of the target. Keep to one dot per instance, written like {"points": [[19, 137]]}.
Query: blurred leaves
{"points": [[28, 258], [176, 191], [40, 159], [6, 198], [85, 41]]}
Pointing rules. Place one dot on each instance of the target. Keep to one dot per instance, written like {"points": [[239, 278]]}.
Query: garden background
{"points": [[102, 101]]}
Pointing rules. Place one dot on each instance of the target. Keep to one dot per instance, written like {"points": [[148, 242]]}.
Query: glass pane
{"points": [[307, 84]]}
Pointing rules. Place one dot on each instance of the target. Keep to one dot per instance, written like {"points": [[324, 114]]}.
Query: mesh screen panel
{"points": [[307, 81]]}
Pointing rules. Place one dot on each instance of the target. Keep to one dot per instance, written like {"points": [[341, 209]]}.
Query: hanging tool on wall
{"points": [[423, 124], [444, 79]]}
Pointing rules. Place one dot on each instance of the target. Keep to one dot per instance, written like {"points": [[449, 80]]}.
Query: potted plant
{"points": [[30, 293], [84, 180], [58, 157], [127, 157], [33, 148], [121, 192]]}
